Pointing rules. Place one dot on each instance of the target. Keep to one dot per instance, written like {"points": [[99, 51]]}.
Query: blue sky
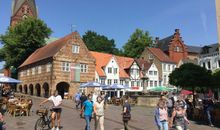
{"points": [[118, 19]]}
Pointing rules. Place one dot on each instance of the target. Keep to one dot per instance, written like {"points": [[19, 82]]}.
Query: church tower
{"points": [[22, 9], [217, 3]]}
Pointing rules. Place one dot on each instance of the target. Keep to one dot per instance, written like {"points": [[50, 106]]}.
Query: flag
{"points": [[75, 72]]}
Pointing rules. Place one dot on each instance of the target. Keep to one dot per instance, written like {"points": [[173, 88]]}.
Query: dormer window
{"points": [[75, 48]]}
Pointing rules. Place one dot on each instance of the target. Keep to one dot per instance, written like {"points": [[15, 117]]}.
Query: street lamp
{"points": [[144, 78]]}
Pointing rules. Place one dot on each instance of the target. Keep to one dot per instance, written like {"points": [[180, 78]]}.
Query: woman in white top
{"points": [[99, 113], [56, 109]]}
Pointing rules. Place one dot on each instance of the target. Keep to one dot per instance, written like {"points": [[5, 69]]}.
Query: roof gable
{"points": [[160, 55], [48, 50]]}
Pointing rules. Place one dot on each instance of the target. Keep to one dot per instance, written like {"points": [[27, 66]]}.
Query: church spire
{"points": [[22, 9]]}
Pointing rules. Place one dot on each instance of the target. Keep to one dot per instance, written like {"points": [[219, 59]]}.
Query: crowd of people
{"points": [[174, 110], [93, 106]]}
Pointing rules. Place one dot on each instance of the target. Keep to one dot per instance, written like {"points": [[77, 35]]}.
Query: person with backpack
{"points": [[126, 113], [161, 115]]}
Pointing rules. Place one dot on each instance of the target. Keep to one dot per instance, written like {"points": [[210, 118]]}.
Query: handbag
{"points": [[126, 116]]}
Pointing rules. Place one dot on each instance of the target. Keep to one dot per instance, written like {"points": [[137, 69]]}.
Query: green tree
{"points": [[137, 43], [190, 75], [100, 43], [216, 78], [22, 40]]}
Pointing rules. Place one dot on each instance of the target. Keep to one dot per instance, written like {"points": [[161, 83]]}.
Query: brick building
{"points": [[176, 49], [162, 61], [61, 65]]}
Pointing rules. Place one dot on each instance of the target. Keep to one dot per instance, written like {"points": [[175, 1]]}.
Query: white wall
{"points": [[153, 76], [167, 68], [212, 58]]}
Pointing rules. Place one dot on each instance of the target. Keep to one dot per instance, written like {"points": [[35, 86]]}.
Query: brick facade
{"points": [[56, 78]]}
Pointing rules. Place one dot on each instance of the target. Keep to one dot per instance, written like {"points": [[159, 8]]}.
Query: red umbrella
{"points": [[186, 92]]}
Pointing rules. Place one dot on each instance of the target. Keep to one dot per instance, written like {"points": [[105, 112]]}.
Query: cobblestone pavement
{"points": [[142, 119]]}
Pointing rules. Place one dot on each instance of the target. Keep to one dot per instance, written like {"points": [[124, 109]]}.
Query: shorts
{"points": [[57, 110]]}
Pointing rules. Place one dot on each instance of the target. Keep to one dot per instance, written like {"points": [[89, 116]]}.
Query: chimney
{"points": [[177, 30], [156, 41]]}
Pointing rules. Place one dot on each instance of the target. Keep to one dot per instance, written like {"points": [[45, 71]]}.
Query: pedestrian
{"points": [[88, 111], [179, 117], [56, 109], [77, 99], [99, 113], [126, 115], [83, 98], [208, 106], [161, 115]]}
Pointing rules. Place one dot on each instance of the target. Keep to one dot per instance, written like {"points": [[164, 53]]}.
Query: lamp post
{"points": [[144, 78]]}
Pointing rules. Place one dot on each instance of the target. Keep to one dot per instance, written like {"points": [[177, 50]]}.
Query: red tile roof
{"points": [[124, 63], [160, 55], [102, 59], [48, 50]]}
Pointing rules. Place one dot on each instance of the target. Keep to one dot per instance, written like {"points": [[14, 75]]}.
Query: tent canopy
{"points": [[4, 79], [160, 89], [116, 86], [91, 84]]}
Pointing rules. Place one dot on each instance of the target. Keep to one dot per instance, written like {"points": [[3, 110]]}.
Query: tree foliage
{"points": [[22, 40], [100, 43], [190, 75], [138, 41], [216, 78]]}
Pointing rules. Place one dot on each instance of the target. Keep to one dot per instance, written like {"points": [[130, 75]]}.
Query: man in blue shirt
{"points": [[88, 111]]}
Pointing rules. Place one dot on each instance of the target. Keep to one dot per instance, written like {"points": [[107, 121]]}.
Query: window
{"points": [[115, 70], [150, 72], [219, 63], [168, 67], [109, 70], [164, 67], [151, 83], [75, 49], [48, 67], [102, 81], [160, 83], [131, 71], [209, 65], [165, 79], [138, 83], [115, 81], [66, 66], [126, 82], [109, 81], [39, 69], [122, 82], [28, 72], [155, 83], [203, 65], [177, 49], [150, 57], [155, 72], [33, 71], [83, 68], [132, 83]]}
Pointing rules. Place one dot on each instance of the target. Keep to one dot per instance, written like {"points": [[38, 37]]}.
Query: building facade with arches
{"points": [[60, 65]]}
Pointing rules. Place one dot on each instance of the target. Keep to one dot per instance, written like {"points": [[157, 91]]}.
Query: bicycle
{"points": [[44, 121]]}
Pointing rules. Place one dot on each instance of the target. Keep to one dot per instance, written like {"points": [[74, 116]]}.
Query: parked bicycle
{"points": [[44, 122]]}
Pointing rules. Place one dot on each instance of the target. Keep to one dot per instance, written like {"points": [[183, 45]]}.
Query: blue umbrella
{"points": [[90, 84], [116, 86], [4, 79]]}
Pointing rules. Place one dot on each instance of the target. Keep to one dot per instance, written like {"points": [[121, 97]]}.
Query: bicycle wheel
{"points": [[49, 122], [40, 124]]}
